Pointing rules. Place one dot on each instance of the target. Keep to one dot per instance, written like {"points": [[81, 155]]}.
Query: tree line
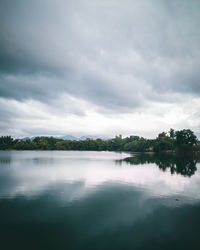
{"points": [[181, 140]]}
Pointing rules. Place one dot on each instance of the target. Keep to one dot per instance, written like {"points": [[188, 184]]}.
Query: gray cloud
{"points": [[118, 55]]}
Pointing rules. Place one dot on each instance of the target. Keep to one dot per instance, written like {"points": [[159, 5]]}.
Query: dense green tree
{"points": [[6, 142], [163, 144], [140, 145], [162, 135], [172, 133], [185, 139]]}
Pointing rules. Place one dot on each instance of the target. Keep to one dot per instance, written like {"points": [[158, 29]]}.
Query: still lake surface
{"points": [[98, 200]]}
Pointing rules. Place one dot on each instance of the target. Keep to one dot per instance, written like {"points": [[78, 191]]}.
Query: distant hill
{"points": [[72, 138], [28, 138], [82, 138], [69, 137]]}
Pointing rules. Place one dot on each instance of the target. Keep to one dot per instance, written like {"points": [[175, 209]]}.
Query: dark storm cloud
{"points": [[119, 55]]}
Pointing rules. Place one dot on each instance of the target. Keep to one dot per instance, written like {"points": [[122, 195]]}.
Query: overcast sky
{"points": [[99, 67]]}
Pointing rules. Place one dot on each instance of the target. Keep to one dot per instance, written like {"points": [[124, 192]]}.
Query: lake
{"points": [[98, 200]]}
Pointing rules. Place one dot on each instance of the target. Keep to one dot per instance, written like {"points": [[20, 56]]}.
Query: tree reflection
{"points": [[184, 165]]}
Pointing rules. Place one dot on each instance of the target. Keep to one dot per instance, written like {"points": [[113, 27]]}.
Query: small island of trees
{"points": [[173, 141]]}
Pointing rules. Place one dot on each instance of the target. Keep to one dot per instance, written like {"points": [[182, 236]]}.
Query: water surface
{"points": [[98, 200]]}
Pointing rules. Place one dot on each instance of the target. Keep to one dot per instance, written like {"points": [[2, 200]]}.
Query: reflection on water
{"points": [[184, 165], [98, 200]]}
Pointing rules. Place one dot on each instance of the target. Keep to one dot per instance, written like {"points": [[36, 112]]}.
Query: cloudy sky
{"points": [[99, 67]]}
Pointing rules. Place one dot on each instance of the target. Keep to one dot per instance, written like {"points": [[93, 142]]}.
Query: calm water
{"points": [[98, 200]]}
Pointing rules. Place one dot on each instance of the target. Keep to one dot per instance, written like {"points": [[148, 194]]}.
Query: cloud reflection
{"points": [[75, 175]]}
